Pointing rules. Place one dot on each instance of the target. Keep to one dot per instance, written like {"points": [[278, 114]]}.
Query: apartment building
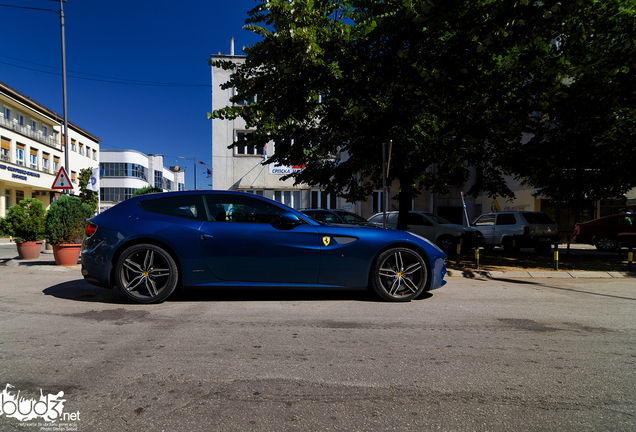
{"points": [[32, 149]]}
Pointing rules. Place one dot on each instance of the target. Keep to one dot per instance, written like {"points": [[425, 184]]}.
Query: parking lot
{"points": [[477, 354]]}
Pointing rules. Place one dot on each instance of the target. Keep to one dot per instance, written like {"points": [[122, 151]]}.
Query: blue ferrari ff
{"points": [[150, 244]]}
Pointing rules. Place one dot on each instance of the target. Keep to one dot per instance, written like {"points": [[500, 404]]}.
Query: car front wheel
{"points": [[146, 273], [399, 274]]}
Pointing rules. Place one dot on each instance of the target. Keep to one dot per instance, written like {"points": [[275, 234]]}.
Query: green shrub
{"points": [[66, 220], [25, 220], [146, 190]]}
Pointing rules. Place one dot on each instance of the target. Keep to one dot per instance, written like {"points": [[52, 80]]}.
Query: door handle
{"points": [[206, 236]]}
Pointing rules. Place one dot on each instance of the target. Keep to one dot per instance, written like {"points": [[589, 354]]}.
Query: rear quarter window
{"points": [[185, 207]]}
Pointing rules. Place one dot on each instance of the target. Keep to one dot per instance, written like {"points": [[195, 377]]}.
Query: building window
{"points": [[6, 150], [290, 198], [33, 159], [73, 177], [56, 164], [323, 200], [45, 162], [123, 169], [244, 149], [116, 194], [21, 120], [94, 155], [159, 179], [81, 149], [8, 115], [73, 145], [34, 125], [45, 131], [88, 151], [19, 196], [167, 184], [19, 154]]}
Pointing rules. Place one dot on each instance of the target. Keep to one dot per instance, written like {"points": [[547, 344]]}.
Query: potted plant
{"points": [[25, 222], [65, 226]]}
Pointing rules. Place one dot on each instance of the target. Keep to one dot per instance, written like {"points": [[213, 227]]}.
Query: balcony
{"points": [[28, 132]]}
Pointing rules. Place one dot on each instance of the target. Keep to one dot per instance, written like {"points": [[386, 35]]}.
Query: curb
{"points": [[555, 274]]}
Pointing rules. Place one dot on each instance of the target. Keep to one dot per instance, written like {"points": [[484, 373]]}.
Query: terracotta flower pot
{"points": [[29, 250], [66, 254]]}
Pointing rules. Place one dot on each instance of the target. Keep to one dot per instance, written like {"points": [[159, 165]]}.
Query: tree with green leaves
{"points": [[450, 83], [87, 196], [581, 122]]}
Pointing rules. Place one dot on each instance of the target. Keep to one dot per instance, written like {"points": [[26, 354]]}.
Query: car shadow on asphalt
{"points": [[79, 290]]}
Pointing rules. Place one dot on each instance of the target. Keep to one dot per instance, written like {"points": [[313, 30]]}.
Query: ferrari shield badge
{"points": [[326, 240]]}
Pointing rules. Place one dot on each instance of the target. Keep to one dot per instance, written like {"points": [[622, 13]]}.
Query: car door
{"points": [[244, 243], [486, 224], [505, 226], [420, 225]]}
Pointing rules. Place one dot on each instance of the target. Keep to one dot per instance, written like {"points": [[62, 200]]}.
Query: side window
{"points": [[188, 207], [506, 219], [486, 220], [241, 209]]}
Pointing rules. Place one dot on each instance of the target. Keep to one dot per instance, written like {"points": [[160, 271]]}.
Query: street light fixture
{"points": [[194, 170]]}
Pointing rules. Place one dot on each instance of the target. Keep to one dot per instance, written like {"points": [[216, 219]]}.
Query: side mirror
{"points": [[288, 218]]}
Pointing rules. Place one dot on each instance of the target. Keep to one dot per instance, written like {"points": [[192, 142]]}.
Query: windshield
{"points": [[437, 219]]}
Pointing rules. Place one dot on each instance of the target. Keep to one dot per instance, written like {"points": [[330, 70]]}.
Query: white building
{"points": [[241, 168], [122, 172], [32, 150]]}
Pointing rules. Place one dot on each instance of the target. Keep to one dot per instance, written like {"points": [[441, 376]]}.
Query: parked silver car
{"points": [[518, 229], [444, 234]]}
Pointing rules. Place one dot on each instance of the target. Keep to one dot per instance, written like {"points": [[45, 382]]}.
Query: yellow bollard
{"points": [[477, 257]]}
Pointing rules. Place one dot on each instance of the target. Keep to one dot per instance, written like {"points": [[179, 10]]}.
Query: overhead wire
{"points": [[101, 78]]}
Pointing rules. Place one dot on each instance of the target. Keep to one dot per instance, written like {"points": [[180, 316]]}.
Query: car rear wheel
{"points": [[510, 245], [146, 273], [399, 274], [606, 244]]}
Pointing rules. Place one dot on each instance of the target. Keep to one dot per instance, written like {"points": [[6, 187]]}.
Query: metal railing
{"points": [[27, 131]]}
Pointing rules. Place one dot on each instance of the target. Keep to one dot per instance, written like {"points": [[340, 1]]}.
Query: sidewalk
{"points": [[521, 274], [45, 262]]}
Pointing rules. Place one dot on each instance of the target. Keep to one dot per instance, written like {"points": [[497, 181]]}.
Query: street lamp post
{"points": [[66, 149], [194, 168]]}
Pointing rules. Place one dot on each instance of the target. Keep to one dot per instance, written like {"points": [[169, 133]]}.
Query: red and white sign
{"points": [[62, 181]]}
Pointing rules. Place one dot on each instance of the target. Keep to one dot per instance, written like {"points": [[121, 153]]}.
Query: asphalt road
{"points": [[475, 355]]}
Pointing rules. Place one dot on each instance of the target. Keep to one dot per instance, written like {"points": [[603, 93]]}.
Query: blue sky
{"points": [[140, 41]]}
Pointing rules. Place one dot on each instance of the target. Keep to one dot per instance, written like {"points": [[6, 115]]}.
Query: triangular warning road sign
{"points": [[61, 180]]}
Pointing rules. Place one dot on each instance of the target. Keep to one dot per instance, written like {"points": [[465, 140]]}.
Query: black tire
{"points": [[448, 244], [606, 243], [399, 275], [146, 273], [508, 246], [543, 248], [489, 248]]}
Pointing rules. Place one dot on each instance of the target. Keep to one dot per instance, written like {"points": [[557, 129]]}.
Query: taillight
{"points": [[577, 230], [90, 229], [526, 231]]}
